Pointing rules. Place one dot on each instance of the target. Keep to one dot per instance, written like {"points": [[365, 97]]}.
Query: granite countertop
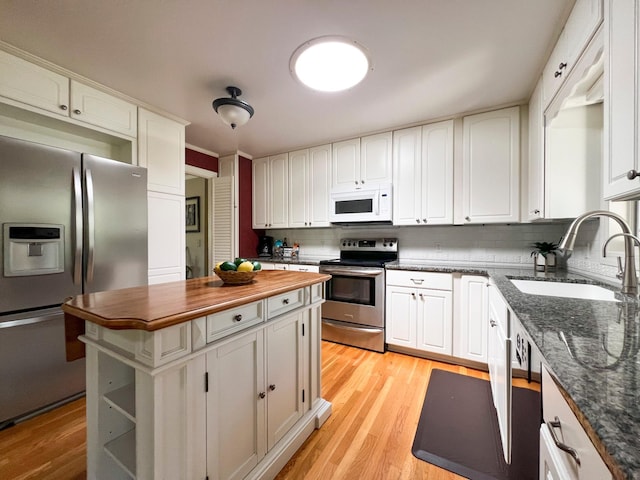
{"points": [[572, 334], [302, 260]]}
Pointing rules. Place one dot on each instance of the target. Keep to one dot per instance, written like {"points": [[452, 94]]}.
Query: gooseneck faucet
{"points": [[629, 278]]}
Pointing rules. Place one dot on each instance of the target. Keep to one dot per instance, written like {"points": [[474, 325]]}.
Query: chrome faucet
{"points": [[629, 278]]}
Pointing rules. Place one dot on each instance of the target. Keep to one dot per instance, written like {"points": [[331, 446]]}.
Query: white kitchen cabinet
{"points": [[491, 167], [470, 325], [621, 122], [103, 110], [360, 162], [161, 150], [561, 422], [535, 200], [419, 318], [255, 395], [423, 175], [270, 198], [166, 239], [583, 21], [565, 142], [33, 85], [27, 83], [309, 186], [499, 361]]}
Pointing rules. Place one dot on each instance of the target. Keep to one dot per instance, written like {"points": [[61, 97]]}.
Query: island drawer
{"points": [[279, 304], [417, 279], [225, 323]]}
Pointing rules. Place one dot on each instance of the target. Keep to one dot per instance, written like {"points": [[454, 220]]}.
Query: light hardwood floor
{"points": [[376, 400]]}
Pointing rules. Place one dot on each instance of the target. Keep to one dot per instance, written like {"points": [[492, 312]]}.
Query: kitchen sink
{"points": [[563, 289]]}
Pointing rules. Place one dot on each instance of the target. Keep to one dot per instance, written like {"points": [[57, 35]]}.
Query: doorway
{"points": [[198, 189]]}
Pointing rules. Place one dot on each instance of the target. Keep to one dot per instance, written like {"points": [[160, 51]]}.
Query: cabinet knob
{"points": [[272, 387], [417, 220], [63, 107], [492, 323], [631, 174], [356, 182], [536, 211], [468, 219], [413, 295], [77, 112], [557, 74], [562, 65], [305, 224], [237, 318], [285, 301], [262, 394], [424, 220], [362, 181]]}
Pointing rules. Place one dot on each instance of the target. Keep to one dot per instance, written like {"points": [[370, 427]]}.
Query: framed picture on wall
{"points": [[192, 212]]}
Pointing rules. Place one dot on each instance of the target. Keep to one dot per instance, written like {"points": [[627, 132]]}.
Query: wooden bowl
{"points": [[232, 277]]}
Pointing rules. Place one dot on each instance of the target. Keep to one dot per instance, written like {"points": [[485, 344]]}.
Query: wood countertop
{"points": [[153, 307]]}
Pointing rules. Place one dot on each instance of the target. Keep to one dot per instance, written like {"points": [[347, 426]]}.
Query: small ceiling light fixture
{"points": [[233, 111], [330, 64]]}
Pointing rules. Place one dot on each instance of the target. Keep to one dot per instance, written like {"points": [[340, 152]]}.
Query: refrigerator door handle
{"points": [[91, 231], [77, 206]]}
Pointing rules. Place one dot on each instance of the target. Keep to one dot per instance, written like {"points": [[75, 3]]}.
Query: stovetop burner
{"points": [[365, 252]]}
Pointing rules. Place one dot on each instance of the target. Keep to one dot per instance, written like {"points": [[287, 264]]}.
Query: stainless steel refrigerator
{"points": [[71, 223]]}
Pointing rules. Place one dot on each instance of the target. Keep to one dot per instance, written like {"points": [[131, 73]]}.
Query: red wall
{"points": [[201, 160], [248, 241]]}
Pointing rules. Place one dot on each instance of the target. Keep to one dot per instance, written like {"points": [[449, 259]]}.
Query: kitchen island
{"points": [[198, 379]]}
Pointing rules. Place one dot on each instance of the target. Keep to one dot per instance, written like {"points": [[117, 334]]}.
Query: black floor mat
{"points": [[458, 429]]}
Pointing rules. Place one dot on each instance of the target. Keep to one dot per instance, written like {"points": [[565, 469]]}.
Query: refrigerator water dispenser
{"points": [[33, 249]]}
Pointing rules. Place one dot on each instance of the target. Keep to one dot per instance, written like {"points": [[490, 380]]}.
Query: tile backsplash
{"points": [[502, 245]]}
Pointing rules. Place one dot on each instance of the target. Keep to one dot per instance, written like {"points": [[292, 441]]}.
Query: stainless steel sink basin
{"points": [[566, 290]]}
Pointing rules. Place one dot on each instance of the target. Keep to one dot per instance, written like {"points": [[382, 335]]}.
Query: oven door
{"points": [[354, 295]]}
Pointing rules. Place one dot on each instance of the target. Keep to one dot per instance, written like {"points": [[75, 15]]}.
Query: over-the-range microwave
{"points": [[371, 204]]}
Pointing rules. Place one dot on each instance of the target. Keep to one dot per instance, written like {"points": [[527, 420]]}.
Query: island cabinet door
{"points": [[236, 407], [286, 396]]}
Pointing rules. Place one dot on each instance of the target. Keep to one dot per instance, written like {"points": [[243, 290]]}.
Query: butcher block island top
{"points": [[153, 307]]}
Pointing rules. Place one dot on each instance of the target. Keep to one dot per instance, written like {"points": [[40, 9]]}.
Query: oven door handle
{"points": [[353, 272]]}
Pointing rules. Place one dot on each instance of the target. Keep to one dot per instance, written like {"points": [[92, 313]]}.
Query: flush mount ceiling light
{"points": [[330, 64], [233, 111]]}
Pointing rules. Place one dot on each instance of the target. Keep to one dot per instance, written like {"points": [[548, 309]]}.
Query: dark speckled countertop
{"points": [[590, 346]]}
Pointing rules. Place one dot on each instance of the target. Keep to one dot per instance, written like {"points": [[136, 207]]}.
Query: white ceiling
{"points": [[432, 59]]}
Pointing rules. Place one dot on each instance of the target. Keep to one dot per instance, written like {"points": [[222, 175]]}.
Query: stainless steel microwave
{"points": [[366, 205]]}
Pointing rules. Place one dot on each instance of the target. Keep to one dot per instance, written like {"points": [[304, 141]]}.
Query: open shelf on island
{"points": [[123, 451], [123, 399]]}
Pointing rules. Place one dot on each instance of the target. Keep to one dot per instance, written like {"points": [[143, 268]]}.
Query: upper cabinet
{"points": [[309, 185], [34, 86], [359, 162], [161, 151], [423, 175], [583, 21], [491, 167], [270, 192], [565, 142], [621, 122]]}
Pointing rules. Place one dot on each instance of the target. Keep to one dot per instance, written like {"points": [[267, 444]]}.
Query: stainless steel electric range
{"points": [[354, 311]]}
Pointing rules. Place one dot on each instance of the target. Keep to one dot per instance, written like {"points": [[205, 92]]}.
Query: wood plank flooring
{"points": [[376, 400]]}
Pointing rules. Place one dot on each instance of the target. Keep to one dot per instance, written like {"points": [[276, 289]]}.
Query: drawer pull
{"points": [[285, 301], [417, 281], [565, 448], [237, 318]]}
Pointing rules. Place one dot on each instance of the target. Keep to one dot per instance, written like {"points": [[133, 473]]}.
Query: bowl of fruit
{"points": [[238, 272]]}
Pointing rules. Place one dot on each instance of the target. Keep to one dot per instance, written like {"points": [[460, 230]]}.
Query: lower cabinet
{"points": [[470, 326], [255, 395], [420, 317], [499, 360], [561, 430]]}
